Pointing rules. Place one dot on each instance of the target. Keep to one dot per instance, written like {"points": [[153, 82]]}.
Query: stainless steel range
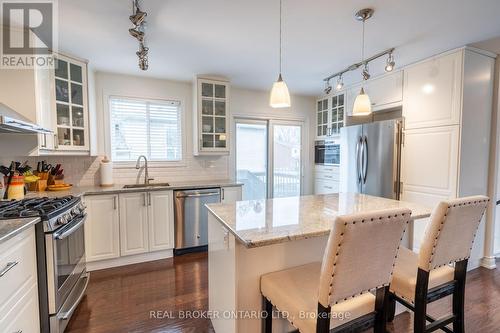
{"points": [[62, 276]]}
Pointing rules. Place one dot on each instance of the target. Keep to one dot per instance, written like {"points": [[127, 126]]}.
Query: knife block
{"points": [[38, 186]]}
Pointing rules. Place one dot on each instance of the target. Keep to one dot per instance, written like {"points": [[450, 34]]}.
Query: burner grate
{"points": [[42, 207]]}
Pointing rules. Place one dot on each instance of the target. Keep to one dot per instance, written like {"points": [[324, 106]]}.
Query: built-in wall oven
{"points": [[327, 152]]}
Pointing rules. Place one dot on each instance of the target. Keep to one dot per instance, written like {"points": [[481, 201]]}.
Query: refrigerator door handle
{"points": [[358, 156], [365, 159]]}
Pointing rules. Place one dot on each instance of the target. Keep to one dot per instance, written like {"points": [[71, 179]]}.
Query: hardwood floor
{"points": [[121, 299]]}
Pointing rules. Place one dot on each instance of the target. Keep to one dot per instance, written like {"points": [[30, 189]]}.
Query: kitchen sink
{"points": [[146, 185]]}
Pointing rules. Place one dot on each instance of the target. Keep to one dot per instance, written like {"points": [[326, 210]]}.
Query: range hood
{"points": [[13, 122]]}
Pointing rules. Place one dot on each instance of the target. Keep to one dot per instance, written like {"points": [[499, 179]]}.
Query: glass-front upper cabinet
{"points": [[212, 117], [330, 115], [71, 104]]}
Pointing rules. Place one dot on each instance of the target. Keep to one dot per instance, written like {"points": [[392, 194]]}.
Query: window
{"points": [[145, 127]]}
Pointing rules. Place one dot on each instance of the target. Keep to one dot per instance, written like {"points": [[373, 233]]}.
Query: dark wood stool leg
{"points": [[323, 320], [267, 322], [391, 307], [381, 305], [420, 322], [459, 297]]}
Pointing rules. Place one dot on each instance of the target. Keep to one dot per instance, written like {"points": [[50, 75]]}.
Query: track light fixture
{"points": [[340, 83], [366, 72], [389, 66], [328, 87], [138, 20]]}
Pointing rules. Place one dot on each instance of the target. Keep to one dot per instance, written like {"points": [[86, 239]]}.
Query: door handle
{"points": [[365, 159], [358, 169]]}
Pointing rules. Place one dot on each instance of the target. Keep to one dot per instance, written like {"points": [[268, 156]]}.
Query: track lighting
{"points": [[328, 87], [340, 83], [137, 18], [366, 73], [389, 66]]}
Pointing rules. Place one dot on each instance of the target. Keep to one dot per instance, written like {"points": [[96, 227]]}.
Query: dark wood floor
{"points": [[121, 299]]}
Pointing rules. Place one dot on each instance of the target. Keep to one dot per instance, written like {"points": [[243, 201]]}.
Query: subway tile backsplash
{"points": [[84, 170]]}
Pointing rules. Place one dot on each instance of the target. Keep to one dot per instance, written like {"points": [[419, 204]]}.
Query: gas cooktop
{"points": [[46, 208]]}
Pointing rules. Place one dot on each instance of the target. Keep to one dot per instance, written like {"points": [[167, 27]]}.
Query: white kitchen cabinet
{"points": [[134, 230], [230, 194], [385, 92], [326, 179], [102, 228], [211, 117], [330, 112], [432, 91], [161, 224], [445, 153], [19, 291], [70, 104]]}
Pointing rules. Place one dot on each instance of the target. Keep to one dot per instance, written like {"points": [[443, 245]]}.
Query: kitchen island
{"points": [[251, 238]]}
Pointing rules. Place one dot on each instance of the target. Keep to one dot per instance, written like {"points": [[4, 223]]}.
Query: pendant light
{"points": [[362, 104], [280, 97]]}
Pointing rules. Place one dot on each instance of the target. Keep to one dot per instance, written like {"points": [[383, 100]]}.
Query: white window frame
{"points": [[152, 163]]}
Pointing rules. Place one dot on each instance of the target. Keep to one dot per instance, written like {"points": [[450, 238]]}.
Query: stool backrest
{"points": [[360, 254], [451, 231]]}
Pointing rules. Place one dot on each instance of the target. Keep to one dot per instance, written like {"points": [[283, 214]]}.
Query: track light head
{"points": [[389, 66], [340, 83], [137, 34], [328, 87], [138, 17], [366, 73]]}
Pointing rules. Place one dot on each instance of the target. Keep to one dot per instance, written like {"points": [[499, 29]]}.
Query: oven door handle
{"points": [[69, 231], [67, 314]]}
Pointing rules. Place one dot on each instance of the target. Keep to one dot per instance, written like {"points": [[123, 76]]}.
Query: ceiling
{"points": [[239, 39]]}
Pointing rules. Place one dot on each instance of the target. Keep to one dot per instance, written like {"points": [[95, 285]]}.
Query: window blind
{"points": [[145, 127]]}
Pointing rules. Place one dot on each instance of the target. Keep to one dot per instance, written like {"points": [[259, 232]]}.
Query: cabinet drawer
{"points": [[18, 253], [325, 187], [23, 316], [327, 173]]}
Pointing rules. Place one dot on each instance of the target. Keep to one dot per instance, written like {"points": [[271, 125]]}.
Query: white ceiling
{"points": [[239, 39]]}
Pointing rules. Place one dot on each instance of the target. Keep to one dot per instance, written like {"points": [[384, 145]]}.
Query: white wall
{"points": [[243, 102]]}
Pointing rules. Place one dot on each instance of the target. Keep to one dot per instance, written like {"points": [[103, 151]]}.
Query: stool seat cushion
{"points": [[404, 279], [294, 292]]}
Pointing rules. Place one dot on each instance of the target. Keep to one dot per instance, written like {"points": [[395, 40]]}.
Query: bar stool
{"points": [[336, 294], [420, 279]]}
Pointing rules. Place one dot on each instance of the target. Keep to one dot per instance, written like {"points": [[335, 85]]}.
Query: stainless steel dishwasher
{"points": [[191, 218]]}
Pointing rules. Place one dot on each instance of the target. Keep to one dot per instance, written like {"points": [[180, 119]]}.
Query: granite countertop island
{"points": [[247, 239], [263, 222], [119, 188]]}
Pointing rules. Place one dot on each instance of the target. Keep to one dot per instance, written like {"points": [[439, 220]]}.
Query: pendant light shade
{"points": [[362, 104], [280, 97]]}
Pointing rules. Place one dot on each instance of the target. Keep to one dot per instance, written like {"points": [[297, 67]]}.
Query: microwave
{"points": [[327, 152]]}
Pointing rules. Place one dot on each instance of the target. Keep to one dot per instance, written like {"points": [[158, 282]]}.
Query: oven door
{"points": [[332, 154], [65, 251]]}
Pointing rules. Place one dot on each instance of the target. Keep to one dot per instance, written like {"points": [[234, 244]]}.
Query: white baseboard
{"points": [[129, 260], [489, 262]]}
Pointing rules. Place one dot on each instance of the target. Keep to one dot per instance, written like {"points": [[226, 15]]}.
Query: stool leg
{"points": [[391, 307], [459, 297], [323, 320], [419, 321], [267, 322], [381, 305]]}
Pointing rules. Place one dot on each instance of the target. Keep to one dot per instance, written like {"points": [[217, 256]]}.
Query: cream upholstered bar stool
{"points": [[440, 268], [335, 293]]}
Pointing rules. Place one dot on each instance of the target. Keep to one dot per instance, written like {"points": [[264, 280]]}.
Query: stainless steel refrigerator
{"points": [[370, 158]]}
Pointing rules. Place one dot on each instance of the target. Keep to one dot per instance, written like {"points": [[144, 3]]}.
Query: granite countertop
{"points": [[118, 188], [258, 223], [10, 228]]}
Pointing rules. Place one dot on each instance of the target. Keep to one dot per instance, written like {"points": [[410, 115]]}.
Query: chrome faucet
{"points": [[146, 171]]}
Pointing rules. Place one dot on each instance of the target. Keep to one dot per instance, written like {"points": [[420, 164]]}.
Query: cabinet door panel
{"points": [[102, 228], [230, 194], [161, 221], [385, 92], [432, 92], [133, 223]]}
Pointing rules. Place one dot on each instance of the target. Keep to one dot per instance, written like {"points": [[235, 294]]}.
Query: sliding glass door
{"points": [[251, 158], [269, 158], [287, 160]]}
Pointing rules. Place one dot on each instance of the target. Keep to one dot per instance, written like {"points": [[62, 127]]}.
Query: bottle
{"points": [[106, 172]]}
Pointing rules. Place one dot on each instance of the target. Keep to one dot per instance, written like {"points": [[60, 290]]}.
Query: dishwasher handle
{"points": [[197, 195]]}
